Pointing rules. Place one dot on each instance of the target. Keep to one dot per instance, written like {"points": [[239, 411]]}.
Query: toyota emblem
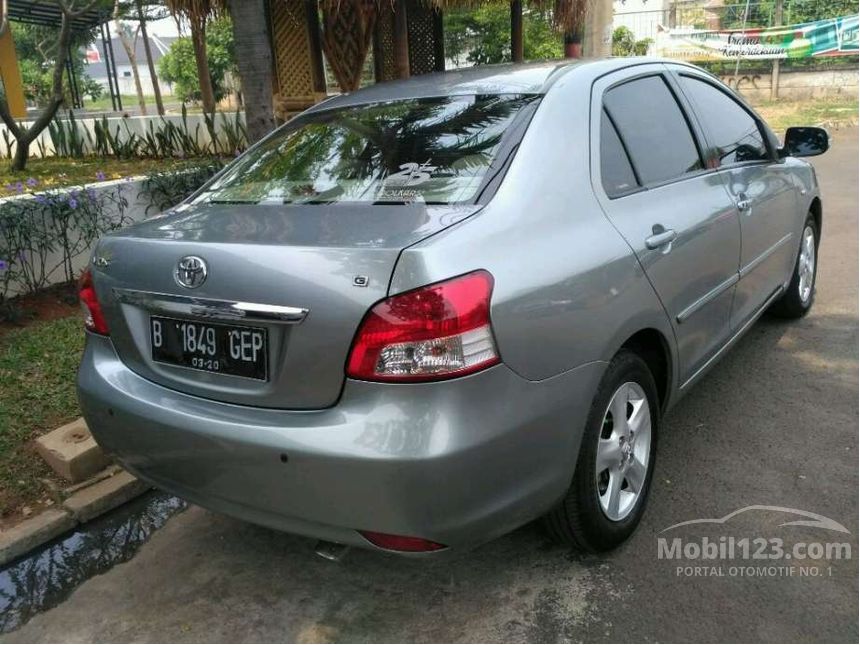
{"points": [[190, 272]]}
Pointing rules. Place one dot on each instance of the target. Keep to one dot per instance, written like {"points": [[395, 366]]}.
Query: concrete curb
{"points": [[32, 532], [105, 494]]}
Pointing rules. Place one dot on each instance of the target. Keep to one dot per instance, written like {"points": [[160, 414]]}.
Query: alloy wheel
{"points": [[806, 265], [623, 451]]}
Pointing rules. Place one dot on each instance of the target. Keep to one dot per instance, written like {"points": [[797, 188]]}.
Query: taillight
{"points": [[435, 332], [94, 319], [401, 542]]}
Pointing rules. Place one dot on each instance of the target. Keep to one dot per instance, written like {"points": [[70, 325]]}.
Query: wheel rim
{"points": [[623, 451], [806, 265]]}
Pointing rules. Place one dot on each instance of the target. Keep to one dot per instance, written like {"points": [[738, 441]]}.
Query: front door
{"points": [[674, 213], [760, 187]]}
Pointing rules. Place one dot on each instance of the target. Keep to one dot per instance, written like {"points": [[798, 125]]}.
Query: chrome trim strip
{"points": [[208, 308], [767, 303], [708, 297], [746, 270]]}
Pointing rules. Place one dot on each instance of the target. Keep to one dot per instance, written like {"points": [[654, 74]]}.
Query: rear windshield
{"points": [[435, 150]]}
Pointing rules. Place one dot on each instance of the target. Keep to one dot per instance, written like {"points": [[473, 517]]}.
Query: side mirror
{"points": [[805, 142]]}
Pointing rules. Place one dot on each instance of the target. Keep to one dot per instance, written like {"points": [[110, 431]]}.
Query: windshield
{"points": [[435, 150]]}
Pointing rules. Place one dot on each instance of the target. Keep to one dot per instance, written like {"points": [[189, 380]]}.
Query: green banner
{"points": [[832, 37]]}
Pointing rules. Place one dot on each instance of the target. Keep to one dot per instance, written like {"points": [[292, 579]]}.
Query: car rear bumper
{"points": [[456, 462]]}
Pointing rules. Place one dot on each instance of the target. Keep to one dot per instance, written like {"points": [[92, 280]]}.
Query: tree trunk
{"points": [[128, 46], [597, 38], [254, 59], [401, 40], [198, 39], [22, 153], [156, 89], [517, 31], [24, 138]]}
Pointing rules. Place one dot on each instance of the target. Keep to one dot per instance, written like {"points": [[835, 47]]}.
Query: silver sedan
{"points": [[423, 314]]}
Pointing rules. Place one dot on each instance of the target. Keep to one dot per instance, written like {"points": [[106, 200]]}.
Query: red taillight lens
{"points": [[432, 333], [401, 542], [94, 320]]}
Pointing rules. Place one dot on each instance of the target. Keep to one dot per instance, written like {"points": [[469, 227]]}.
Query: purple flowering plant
{"points": [[43, 235]]}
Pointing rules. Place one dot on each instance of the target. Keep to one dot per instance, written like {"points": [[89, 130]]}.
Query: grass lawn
{"points": [[37, 394], [172, 105], [128, 101], [828, 112], [55, 172]]}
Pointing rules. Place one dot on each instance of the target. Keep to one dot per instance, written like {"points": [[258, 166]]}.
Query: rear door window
{"points": [[616, 173], [433, 150], [734, 133], [654, 129]]}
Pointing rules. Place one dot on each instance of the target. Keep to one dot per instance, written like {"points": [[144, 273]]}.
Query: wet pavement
{"points": [[45, 577], [774, 424]]}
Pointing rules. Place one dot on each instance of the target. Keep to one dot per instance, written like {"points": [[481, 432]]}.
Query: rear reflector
{"points": [[94, 320], [432, 333], [401, 542]]}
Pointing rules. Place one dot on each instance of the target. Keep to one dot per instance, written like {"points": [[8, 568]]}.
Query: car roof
{"points": [[528, 78]]}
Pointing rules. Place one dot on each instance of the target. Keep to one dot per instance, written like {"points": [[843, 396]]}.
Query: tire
{"points": [[581, 519], [793, 304]]}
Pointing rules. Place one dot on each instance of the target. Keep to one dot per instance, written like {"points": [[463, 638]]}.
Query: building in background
{"points": [[642, 17], [97, 70], [646, 17]]}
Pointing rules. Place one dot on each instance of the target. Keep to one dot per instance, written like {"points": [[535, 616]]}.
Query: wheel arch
{"points": [[815, 209], [652, 346]]}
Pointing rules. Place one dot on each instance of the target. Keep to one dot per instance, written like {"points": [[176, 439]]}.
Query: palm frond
{"points": [[568, 15], [196, 9]]}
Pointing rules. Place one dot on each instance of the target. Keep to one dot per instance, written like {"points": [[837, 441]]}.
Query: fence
{"points": [[711, 14], [694, 15], [796, 67]]}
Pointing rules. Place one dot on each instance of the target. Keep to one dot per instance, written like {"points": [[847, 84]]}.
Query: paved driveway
{"points": [[776, 423]]}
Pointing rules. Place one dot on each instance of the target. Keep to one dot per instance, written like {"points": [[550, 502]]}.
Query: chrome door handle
{"points": [[744, 204], [663, 238]]}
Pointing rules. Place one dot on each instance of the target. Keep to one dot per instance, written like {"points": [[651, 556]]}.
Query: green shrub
{"points": [[179, 67], [40, 236], [161, 140]]}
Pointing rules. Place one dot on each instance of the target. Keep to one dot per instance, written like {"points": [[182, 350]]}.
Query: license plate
{"points": [[222, 349]]}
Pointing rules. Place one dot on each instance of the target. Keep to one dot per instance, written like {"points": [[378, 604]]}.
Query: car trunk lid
{"points": [[305, 274]]}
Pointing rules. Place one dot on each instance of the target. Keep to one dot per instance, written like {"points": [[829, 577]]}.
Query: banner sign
{"points": [[831, 37]]}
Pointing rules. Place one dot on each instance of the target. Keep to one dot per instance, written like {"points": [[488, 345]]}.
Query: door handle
{"points": [[661, 237]]}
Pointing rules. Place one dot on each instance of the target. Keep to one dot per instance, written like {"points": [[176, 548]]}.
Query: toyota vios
{"points": [[423, 314]]}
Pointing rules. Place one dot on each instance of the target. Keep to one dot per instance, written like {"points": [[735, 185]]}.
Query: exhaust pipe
{"points": [[331, 551]]}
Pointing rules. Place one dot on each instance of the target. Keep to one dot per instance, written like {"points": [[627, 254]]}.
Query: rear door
{"points": [[651, 179], [759, 185]]}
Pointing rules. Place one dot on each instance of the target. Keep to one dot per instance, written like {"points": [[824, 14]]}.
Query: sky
{"points": [[164, 27]]}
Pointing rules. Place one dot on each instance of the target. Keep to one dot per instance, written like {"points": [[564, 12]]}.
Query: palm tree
{"points": [[254, 60], [569, 17], [197, 13], [254, 54], [150, 63], [128, 37]]}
